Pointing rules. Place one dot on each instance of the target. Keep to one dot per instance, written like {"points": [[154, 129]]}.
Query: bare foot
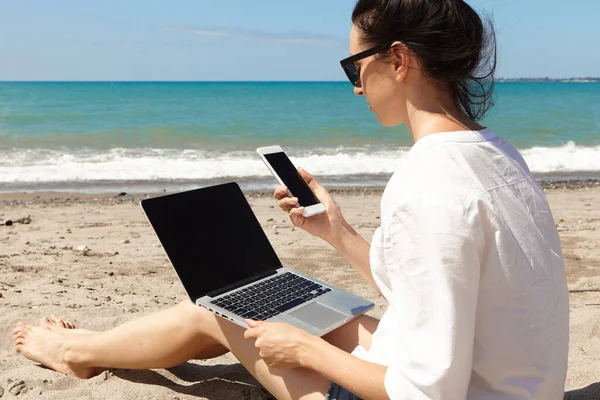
{"points": [[47, 347], [61, 325]]}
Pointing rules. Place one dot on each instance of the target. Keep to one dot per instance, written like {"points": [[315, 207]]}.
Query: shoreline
{"points": [[17, 198], [254, 184]]}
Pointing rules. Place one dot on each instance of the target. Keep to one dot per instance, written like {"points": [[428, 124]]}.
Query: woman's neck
{"points": [[426, 117], [424, 124]]}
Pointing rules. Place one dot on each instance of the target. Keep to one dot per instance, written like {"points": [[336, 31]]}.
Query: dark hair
{"points": [[454, 46]]}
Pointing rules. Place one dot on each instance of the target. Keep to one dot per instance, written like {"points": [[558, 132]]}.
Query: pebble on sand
{"points": [[83, 249], [25, 220]]}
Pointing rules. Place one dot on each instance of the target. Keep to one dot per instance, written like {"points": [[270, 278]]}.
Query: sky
{"points": [[272, 40]]}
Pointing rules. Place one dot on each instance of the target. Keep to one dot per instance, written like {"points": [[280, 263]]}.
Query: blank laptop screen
{"points": [[211, 237]]}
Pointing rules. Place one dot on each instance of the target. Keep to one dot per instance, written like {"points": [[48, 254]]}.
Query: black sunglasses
{"points": [[350, 68]]}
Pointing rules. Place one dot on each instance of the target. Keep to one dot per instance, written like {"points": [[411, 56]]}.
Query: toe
{"points": [[24, 330], [21, 334], [55, 320], [20, 327]]}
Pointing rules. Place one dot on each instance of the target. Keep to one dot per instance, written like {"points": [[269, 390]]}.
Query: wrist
{"points": [[341, 235], [311, 352]]}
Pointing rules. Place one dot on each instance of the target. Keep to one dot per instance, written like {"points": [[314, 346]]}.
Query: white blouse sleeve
{"points": [[432, 261]]}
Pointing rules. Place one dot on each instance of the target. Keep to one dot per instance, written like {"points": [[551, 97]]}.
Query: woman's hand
{"points": [[325, 225], [280, 345]]}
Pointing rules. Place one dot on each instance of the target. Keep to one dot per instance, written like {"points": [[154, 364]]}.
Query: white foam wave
{"points": [[163, 164], [31, 166], [567, 158]]}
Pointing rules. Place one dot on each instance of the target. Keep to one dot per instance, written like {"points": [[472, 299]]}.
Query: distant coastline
{"points": [[546, 79], [524, 80]]}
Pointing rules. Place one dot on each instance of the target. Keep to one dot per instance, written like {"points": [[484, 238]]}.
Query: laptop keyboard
{"points": [[271, 297]]}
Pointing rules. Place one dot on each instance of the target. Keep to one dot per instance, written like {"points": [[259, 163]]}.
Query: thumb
{"points": [[253, 324], [312, 182]]}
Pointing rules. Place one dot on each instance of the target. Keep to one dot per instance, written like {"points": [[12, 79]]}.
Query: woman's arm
{"points": [[363, 378], [355, 249], [282, 345], [330, 226]]}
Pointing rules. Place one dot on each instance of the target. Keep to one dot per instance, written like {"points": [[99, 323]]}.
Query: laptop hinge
{"points": [[240, 283]]}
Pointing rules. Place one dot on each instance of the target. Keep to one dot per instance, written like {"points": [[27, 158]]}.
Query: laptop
{"points": [[228, 266]]}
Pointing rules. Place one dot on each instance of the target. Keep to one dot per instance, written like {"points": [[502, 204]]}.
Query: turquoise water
{"points": [[87, 134]]}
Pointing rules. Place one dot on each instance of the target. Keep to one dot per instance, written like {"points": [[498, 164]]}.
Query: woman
{"points": [[467, 254]]}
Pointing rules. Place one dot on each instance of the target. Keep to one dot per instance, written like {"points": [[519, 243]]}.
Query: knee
{"points": [[191, 313]]}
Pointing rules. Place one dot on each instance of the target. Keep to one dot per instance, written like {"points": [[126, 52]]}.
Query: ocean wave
{"points": [[163, 164], [42, 165], [567, 158]]}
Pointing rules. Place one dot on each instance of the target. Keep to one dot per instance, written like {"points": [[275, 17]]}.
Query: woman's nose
{"points": [[358, 91]]}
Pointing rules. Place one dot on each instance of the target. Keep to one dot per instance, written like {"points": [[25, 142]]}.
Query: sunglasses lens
{"points": [[352, 74]]}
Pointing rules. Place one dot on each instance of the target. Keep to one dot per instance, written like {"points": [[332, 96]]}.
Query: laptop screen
{"points": [[211, 236]]}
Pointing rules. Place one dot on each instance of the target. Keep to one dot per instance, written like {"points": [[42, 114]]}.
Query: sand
{"points": [[120, 272]]}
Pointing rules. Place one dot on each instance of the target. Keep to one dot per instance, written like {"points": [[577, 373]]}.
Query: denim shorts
{"points": [[336, 392]]}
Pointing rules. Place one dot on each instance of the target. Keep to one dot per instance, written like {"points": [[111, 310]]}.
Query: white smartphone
{"points": [[287, 174]]}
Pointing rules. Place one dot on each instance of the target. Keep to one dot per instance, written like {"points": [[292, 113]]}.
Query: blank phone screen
{"points": [[282, 165]]}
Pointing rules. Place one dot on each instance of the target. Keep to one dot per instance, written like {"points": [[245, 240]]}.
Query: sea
{"points": [[136, 137]]}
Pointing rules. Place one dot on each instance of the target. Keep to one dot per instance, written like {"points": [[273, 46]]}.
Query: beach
{"points": [[95, 260]]}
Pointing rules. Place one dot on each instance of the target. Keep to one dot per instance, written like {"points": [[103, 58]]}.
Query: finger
{"points": [[298, 211], [312, 182], [288, 203], [251, 333], [252, 323], [280, 192], [320, 191]]}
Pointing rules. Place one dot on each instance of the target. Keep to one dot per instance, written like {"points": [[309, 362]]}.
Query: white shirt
{"points": [[469, 259]]}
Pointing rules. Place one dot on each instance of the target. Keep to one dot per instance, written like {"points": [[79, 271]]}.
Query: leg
{"points": [[294, 383], [169, 338], [161, 340], [356, 332], [64, 325]]}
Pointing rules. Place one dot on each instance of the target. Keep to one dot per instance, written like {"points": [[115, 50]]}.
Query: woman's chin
{"points": [[387, 122]]}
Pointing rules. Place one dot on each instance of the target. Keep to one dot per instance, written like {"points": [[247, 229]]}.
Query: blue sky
{"points": [[258, 40]]}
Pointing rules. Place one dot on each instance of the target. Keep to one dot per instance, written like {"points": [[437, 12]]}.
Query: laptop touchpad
{"points": [[318, 315]]}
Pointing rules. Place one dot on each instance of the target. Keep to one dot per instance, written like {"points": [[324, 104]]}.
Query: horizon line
{"points": [[256, 81]]}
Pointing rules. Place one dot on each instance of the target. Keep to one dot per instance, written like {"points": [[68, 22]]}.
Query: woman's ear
{"points": [[401, 59]]}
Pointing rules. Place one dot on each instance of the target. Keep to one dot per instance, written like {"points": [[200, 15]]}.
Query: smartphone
{"points": [[287, 174]]}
